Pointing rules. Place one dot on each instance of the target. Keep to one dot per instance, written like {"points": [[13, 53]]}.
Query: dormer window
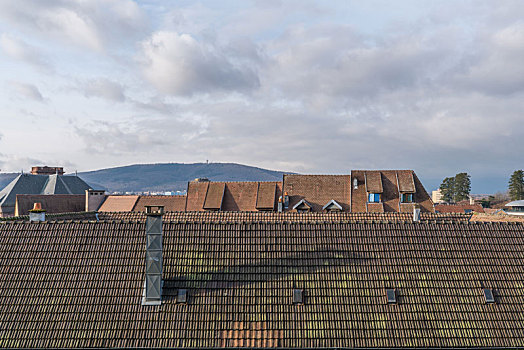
{"points": [[406, 198], [374, 198]]}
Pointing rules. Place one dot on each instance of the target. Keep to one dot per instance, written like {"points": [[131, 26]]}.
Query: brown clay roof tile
{"points": [[118, 203], [80, 285], [170, 203], [214, 196]]}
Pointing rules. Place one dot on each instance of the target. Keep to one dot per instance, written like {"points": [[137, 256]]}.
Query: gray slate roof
{"points": [[40, 184]]}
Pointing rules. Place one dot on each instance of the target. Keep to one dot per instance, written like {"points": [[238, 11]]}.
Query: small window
{"points": [[407, 197], [391, 295], [298, 296], [468, 211], [374, 198], [488, 294], [182, 296]]}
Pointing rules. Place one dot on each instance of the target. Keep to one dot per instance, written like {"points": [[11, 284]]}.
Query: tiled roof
{"points": [[232, 196], [390, 184], [52, 203], [170, 203], [236, 216], [266, 195], [118, 203], [214, 195], [80, 285], [373, 181], [458, 208], [317, 190], [196, 195], [240, 196], [39, 184]]}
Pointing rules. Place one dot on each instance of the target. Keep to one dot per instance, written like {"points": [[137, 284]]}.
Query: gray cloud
{"points": [[28, 91], [104, 88], [92, 24], [179, 64], [19, 50]]}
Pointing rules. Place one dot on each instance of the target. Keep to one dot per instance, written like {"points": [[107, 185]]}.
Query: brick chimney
{"points": [[45, 170]]}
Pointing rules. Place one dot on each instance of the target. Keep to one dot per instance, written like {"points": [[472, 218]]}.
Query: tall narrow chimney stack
{"points": [[153, 279]]}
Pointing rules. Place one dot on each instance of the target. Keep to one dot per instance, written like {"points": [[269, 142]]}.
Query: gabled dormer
{"points": [[302, 207], [332, 206]]}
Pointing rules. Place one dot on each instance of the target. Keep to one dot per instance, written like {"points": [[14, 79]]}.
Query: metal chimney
{"points": [[279, 209], [152, 294], [416, 213]]}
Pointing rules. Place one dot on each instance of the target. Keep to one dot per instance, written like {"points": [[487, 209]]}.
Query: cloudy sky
{"points": [[294, 85]]}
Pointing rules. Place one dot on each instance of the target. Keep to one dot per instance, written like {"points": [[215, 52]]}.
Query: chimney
{"points": [[416, 213], [286, 200], [45, 170], [279, 204], [37, 213], [152, 294], [94, 199]]}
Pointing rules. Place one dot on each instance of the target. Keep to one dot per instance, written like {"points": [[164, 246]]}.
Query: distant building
{"points": [[515, 208], [436, 196], [55, 183]]}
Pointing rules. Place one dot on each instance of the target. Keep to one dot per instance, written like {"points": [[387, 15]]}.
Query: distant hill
{"points": [[172, 176]]}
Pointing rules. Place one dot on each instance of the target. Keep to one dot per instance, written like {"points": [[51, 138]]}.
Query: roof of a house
{"points": [[51, 203], [232, 196], [237, 216], [40, 184], [80, 285], [519, 203], [391, 184], [116, 203], [459, 208], [170, 203], [318, 190]]}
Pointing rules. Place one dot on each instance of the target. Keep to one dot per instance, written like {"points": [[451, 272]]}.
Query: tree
{"points": [[462, 187], [516, 185], [447, 189]]}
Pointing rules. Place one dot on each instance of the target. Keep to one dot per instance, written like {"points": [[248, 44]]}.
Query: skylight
{"points": [[182, 296], [298, 296], [488, 294], [392, 296]]}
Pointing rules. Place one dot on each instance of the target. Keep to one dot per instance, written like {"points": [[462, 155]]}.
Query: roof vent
{"points": [[182, 296], [355, 183], [488, 295], [298, 296], [391, 295]]}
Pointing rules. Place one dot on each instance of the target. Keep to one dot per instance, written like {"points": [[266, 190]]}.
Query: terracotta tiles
{"points": [[266, 195], [406, 183], [170, 203], [459, 208], [52, 203], [118, 203], [373, 181], [318, 190], [214, 196], [196, 195], [287, 217], [79, 284], [240, 196]]}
